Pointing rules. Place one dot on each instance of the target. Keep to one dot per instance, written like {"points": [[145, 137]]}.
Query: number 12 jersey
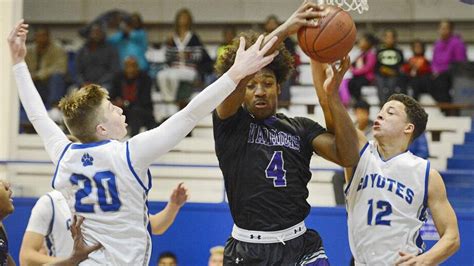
{"points": [[386, 203]]}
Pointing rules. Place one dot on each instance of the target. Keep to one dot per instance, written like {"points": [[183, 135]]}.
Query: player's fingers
{"points": [[269, 44], [241, 45], [303, 6], [80, 220], [404, 257], [312, 15], [180, 185], [94, 248], [345, 63], [258, 43]]}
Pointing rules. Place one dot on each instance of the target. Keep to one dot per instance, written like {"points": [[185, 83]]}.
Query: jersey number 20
{"points": [[276, 170], [105, 183]]}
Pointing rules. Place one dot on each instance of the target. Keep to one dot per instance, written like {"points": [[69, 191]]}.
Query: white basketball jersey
{"points": [[99, 183], [51, 218], [386, 203]]}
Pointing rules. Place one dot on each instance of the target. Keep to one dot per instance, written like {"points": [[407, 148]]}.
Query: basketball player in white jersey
{"points": [[105, 180], [50, 222], [390, 189]]}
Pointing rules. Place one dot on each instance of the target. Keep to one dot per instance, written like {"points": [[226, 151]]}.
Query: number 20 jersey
{"points": [[100, 184], [386, 203]]}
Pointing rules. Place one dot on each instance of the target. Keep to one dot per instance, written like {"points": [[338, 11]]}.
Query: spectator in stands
{"points": [[48, 65], [217, 256], [389, 62], [97, 62], [448, 49], [228, 34], [270, 24], [130, 39], [363, 66], [187, 60], [418, 69], [167, 258], [131, 91], [364, 124]]}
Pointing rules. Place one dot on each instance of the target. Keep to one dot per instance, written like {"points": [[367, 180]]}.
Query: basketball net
{"points": [[349, 5]]}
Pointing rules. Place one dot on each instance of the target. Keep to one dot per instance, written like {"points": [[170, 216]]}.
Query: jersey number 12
{"points": [[106, 187], [386, 209]]}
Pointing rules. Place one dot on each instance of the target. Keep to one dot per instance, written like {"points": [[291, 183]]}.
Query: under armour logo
{"points": [[257, 237], [238, 260], [298, 230]]}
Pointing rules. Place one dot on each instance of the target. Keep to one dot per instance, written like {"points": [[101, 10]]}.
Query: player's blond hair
{"points": [[81, 111]]}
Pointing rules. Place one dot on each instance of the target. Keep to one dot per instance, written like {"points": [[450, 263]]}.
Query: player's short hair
{"points": [[81, 111], [282, 65], [361, 104], [168, 254], [415, 113]]}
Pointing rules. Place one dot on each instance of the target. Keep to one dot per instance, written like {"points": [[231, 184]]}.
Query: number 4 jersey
{"points": [[265, 164], [386, 204], [100, 184]]}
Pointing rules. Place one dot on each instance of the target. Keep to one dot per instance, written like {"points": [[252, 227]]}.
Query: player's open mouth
{"points": [[260, 104], [376, 125]]}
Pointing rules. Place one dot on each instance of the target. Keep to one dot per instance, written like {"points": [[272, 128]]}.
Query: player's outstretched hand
{"points": [[80, 250], [334, 75], [17, 42], [179, 196], [307, 15], [249, 61]]}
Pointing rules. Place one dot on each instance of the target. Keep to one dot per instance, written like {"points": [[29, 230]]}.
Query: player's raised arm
{"points": [[446, 223], [147, 146], [340, 144], [303, 16], [160, 222], [52, 136]]}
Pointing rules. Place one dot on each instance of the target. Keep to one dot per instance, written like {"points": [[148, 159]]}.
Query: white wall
{"points": [[238, 11], [10, 12]]}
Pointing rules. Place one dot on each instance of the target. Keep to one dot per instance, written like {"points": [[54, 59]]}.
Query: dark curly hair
{"points": [[415, 113], [282, 65]]}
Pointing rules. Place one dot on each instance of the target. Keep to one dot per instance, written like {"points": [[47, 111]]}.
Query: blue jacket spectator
{"points": [[131, 40]]}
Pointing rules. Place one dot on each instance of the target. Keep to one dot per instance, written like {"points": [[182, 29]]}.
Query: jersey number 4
{"points": [[106, 192], [386, 209], [276, 170]]}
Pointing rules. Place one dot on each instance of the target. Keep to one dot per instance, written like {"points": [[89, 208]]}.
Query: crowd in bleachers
{"points": [[114, 55]]}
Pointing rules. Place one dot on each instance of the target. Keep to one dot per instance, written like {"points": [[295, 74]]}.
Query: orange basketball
{"points": [[332, 40]]}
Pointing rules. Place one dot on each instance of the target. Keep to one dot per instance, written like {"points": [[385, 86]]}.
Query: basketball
{"points": [[332, 40]]}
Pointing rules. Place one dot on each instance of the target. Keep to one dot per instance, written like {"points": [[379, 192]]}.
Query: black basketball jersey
{"points": [[265, 164], [3, 247]]}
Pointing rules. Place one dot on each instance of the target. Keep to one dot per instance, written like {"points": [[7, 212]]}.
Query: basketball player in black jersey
{"points": [[265, 159]]}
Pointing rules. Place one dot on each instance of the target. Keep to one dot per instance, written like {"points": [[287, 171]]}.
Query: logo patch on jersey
{"points": [[272, 137], [87, 160]]}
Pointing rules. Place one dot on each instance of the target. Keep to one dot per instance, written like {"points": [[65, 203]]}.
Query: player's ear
{"points": [[278, 89], [409, 128], [100, 130]]}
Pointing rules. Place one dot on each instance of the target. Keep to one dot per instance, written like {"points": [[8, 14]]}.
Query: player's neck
{"points": [[388, 150]]}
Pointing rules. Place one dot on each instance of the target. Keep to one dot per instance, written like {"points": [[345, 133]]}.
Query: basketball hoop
{"points": [[349, 5]]}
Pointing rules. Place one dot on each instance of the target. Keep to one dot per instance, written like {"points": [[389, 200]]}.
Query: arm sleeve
{"points": [[53, 138], [41, 216], [148, 146]]}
